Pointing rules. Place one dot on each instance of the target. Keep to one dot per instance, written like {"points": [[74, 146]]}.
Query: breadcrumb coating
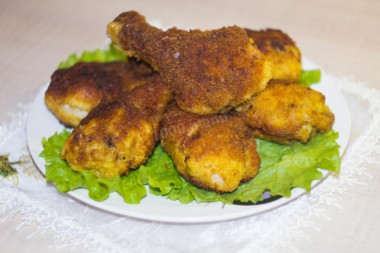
{"points": [[120, 135], [213, 152], [281, 51], [286, 113], [209, 71], [75, 91]]}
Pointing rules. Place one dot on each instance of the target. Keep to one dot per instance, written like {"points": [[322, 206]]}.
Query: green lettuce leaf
{"points": [[163, 179], [161, 174], [286, 167], [308, 77], [282, 169], [57, 170], [109, 54]]}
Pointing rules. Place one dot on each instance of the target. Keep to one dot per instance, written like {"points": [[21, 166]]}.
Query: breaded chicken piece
{"points": [[132, 73], [281, 51], [213, 152], [120, 135], [286, 113], [209, 71], [75, 91]]}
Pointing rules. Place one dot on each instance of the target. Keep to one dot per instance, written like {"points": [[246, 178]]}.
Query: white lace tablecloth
{"points": [[74, 224]]}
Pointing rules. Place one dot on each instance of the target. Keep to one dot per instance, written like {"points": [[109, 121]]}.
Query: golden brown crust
{"points": [[75, 91], [270, 39], [120, 135], [286, 113], [214, 152], [132, 73], [209, 71], [281, 51]]}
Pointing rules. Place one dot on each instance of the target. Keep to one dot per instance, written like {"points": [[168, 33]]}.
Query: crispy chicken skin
{"points": [[214, 152], [120, 135], [281, 51], [209, 71], [132, 73], [286, 113], [75, 91]]}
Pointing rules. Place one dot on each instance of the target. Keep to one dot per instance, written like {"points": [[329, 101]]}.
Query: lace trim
{"points": [[270, 230], [68, 232]]}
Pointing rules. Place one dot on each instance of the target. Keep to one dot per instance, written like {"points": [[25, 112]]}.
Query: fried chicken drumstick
{"points": [[75, 91], [214, 152], [281, 51], [286, 113], [209, 71], [120, 135]]}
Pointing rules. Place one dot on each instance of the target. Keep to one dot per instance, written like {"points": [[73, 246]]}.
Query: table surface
{"points": [[343, 37]]}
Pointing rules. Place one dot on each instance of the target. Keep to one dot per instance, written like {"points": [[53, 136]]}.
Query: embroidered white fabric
{"points": [[75, 223]]}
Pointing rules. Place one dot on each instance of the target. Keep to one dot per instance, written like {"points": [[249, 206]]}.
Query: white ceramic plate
{"points": [[42, 123]]}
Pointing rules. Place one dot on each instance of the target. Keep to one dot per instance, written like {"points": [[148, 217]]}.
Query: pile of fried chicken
{"points": [[205, 95]]}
